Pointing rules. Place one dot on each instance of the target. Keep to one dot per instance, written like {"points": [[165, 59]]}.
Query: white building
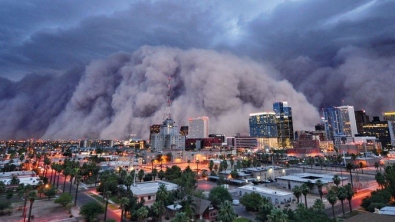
{"points": [[348, 120], [290, 181], [147, 191], [198, 127], [168, 138], [275, 196]]}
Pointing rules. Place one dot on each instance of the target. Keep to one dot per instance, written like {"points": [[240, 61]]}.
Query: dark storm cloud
{"points": [[328, 50]]}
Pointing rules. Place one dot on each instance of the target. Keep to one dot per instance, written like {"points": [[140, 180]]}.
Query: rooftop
{"points": [[151, 187], [305, 177], [265, 190]]}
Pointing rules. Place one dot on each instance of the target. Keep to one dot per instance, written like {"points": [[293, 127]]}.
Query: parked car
{"points": [[236, 202]]}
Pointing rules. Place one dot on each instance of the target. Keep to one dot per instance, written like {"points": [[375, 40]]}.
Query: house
{"points": [[204, 209]]}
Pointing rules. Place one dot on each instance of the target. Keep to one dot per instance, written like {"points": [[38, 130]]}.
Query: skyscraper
{"points": [[390, 116], [382, 130], [332, 121], [361, 118], [198, 127], [169, 137], [348, 120], [285, 132], [263, 125], [340, 121]]}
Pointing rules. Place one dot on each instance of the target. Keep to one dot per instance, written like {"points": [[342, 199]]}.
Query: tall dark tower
{"points": [[285, 130], [361, 118]]}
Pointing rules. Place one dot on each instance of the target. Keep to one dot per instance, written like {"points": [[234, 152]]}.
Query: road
{"points": [[84, 197]]}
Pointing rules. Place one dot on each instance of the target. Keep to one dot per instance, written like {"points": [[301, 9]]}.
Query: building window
{"points": [[149, 197]]}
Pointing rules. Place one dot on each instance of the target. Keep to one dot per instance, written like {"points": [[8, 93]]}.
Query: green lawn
{"points": [[241, 220]]}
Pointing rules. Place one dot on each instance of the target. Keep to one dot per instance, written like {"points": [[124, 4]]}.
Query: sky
{"points": [[99, 69]]}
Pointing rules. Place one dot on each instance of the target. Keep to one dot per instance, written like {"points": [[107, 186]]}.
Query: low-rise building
{"points": [[147, 190], [290, 181], [275, 196]]}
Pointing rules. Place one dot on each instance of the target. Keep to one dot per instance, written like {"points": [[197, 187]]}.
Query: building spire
{"points": [[168, 114]]}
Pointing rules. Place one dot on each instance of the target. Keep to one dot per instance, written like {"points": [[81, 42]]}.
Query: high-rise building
{"points": [[390, 116], [382, 130], [348, 120], [198, 127], [340, 121], [285, 132], [360, 119], [263, 125], [332, 121], [169, 137]]}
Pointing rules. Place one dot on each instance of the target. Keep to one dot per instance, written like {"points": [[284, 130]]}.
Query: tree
{"points": [[350, 194], [332, 199], [251, 201], [2, 187], [380, 179], [277, 215], [232, 163], [297, 192], [234, 174], [106, 196], [91, 210], [123, 202], [154, 173], [305, 190], [162, 193], [161, 174], [219, 195], [180, 217], [50, 192], [211, 165], [342, 195], [319, 185], [32, 196], [376, 165], [336, 180], [349, 168], [66, 173], [128, 182], [140, 175], [64, 199], [142, 213], [158, 209], [226, 212]]}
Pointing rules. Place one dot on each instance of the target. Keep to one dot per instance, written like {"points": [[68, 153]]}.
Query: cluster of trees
{"points": [[266, 211], [386, 192]]}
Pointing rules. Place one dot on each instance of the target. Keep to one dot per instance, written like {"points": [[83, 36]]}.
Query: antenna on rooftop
{"points": [[168, 114]]}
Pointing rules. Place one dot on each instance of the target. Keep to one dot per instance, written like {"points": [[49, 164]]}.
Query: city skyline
{"points": [[101, 69]]}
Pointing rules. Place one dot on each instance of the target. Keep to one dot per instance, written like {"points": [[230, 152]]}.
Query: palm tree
{"points": [[142, 213], [162, 193], [106, 196], [297, 192], [232, 162], [58, 169], [180, 217], [77, 180], [158, 208], [128, 182], [226, 212], [305, 190], [319, 185], [154, 173], [336, 180], [277, 215], [32, 196], [349, 168], [332, 199], [380, 178], [66, 172], [342, 195], [123, 202], [350, 194]]}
